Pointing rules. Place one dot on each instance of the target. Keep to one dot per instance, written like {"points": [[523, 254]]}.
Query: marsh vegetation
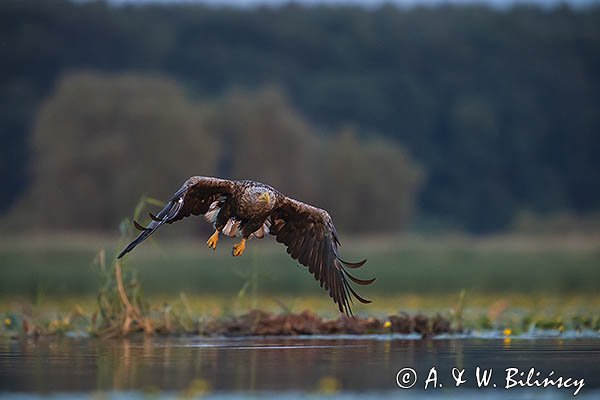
{"points": [[474, 284]]}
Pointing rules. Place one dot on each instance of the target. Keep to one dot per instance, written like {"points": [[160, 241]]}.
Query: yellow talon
{"points": [[212, 241], [239, 248]]}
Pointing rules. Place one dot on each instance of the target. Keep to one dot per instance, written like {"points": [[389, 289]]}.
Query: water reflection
{"points": [[275, 364]]}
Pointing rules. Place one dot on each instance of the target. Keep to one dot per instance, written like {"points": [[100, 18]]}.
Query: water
{"points": [[290, 367]]}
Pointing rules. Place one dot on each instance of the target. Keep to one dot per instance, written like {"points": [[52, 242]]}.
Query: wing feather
{"points": [[194, 197], [311, 238]]}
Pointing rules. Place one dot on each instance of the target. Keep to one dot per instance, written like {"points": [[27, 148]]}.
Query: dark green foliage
{"points": [[500, 106], [102, 140]]}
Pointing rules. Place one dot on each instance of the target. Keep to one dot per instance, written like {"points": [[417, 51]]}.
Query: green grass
{"points": [[508, 282], [63, 267]]}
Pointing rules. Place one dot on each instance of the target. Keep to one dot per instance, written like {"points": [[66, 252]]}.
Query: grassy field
{"points": [[64, 266], [492, 282]]}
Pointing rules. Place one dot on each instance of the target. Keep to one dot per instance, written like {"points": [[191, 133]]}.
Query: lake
{"points": [[291, 367]]}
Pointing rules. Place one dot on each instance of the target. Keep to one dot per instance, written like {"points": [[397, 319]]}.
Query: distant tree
{"points": [[264, 138], [101, 141], [368, 184]]}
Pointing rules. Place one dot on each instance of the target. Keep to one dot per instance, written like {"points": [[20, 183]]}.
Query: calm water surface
{"points": [[289, 367]]}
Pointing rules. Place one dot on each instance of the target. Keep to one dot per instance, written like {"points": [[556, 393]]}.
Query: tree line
{"points": [[499, 107]]}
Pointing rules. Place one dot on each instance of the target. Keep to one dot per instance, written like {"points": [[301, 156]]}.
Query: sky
{"points": [[369, 3]]}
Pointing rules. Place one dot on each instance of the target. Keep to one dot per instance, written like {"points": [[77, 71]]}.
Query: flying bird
{"points": [[252, 209]]}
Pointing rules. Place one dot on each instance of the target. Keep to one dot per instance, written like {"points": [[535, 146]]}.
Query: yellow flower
{"points": [[387, 324], [7, 322], [328, 385], [197, 388], [507, 332]]}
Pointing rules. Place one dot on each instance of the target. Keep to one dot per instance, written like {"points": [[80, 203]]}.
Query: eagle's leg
{"points": [[213, 239], [239, 248]]}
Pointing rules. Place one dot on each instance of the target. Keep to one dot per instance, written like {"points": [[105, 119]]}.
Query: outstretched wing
{"points": [[311, 238], [194, 197]]}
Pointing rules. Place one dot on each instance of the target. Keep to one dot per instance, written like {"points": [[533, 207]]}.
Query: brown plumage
{"points": [[252, 209]]}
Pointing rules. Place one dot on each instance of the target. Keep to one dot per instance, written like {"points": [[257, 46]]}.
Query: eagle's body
{"points": [[253, 209], [246, 210]]}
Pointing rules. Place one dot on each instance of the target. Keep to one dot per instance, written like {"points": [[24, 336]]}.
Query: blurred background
{"points": [[455, 144]]}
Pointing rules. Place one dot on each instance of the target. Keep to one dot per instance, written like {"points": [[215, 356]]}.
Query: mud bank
{"points": [[260, 323]]}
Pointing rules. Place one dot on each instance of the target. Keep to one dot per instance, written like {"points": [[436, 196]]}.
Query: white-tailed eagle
{"points": [[252, 209]]}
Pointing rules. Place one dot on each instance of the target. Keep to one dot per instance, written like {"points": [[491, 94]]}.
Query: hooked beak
{"points": [[265, 197]]}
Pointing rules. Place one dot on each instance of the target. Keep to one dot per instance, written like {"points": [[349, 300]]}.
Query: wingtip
{"points": [[154, 217], [358, 281], [127, 249], [353, 264], [347, 311], [138, 226]]}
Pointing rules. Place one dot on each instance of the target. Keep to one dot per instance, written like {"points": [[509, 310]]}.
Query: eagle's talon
{"points": [[212, 240], [239, 248]]}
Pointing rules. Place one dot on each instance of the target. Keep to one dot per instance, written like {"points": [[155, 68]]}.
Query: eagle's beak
{"points": [[265, 197]]}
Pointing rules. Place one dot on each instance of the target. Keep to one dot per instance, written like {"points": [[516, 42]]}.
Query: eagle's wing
{"points": [[311, 238], [194, 197]]}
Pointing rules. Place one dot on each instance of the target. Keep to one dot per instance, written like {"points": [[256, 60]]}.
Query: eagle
{"points": [[246, 209]]}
